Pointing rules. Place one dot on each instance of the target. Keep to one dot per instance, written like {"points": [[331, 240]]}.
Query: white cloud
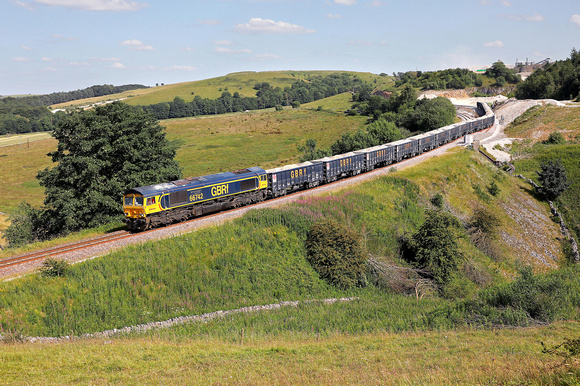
{"points": [[258, 25], [45, 59], [181, 68], [376, 3], [333, 16], [63, 38], [524, 17], [575, 19], [26, 48], [497, 43], [186, 49], [345, 2], [105, 59], [267, 56], [366, 43], [223, 42], [118, 66], [95, 5], [20, 59], [209, 22], [506, 3], [136, 45], [49, 69], [224, 50]]}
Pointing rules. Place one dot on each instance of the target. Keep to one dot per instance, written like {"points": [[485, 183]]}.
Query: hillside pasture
{"points": [[241, 82], [267, 139]]}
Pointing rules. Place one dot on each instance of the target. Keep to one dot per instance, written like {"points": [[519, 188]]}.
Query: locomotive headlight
{"points": [[126, 214]]}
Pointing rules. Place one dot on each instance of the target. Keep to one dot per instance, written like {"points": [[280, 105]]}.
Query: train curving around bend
{"points": [[162, 204]]}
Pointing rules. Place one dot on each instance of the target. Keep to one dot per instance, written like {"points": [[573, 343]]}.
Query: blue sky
{"points": [[62, 45]]}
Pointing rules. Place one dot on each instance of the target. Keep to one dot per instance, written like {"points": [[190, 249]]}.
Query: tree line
{"points": [[397, 117], [316, 88], [31, 114], [559, 80], [457, 78]]}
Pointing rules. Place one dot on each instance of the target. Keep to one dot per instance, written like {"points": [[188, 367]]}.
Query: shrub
{"points": [[553, 179], [485, 221], [555, 138], [54, 267], [29, 224], [542, 298], [493, 189], [337, 254], [434, 246], [437, 200]]}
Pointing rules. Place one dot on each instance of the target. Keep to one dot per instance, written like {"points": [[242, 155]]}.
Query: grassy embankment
{"points": [[534, 127], [259, 259]]}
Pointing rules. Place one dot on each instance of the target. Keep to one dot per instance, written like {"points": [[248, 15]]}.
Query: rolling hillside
{"points": [[242, 82]]}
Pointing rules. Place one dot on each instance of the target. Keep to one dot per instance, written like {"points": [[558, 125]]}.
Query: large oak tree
{"points": [[101, 153]]}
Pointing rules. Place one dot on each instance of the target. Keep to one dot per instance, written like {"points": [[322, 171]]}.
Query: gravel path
{"points": [[505, 115]]}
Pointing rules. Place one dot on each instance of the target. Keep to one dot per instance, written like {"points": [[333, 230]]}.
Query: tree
{"points": [[100, 154], [336, 253], [435, 245], [553, 179], [311, 152]]}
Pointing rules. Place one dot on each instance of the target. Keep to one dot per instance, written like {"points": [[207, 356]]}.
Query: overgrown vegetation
{"points": [[336, 253], [553, 179], [458, 78], [389, 120], [52, 267], [434, 248], [559, 80]]}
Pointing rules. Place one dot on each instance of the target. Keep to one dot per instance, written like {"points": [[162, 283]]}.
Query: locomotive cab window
{"points": [[151, 201], [128, 201], [138, 201]]}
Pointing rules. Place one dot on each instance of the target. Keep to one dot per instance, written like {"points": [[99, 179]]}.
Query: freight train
{"points": [[162, 204]]}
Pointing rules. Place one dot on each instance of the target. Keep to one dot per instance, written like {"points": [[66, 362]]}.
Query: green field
{"points": [[22, 140]]}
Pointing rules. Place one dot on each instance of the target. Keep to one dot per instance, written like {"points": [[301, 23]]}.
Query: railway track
{"points": [[45, 253]]}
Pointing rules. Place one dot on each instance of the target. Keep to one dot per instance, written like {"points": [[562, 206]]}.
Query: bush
{"points": [[553, 179], [555, 138], [485, 221], [29, 224], [542, 298], [54, 267], [437, 200], [434, 246], [493, 189], [337, 254]]}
